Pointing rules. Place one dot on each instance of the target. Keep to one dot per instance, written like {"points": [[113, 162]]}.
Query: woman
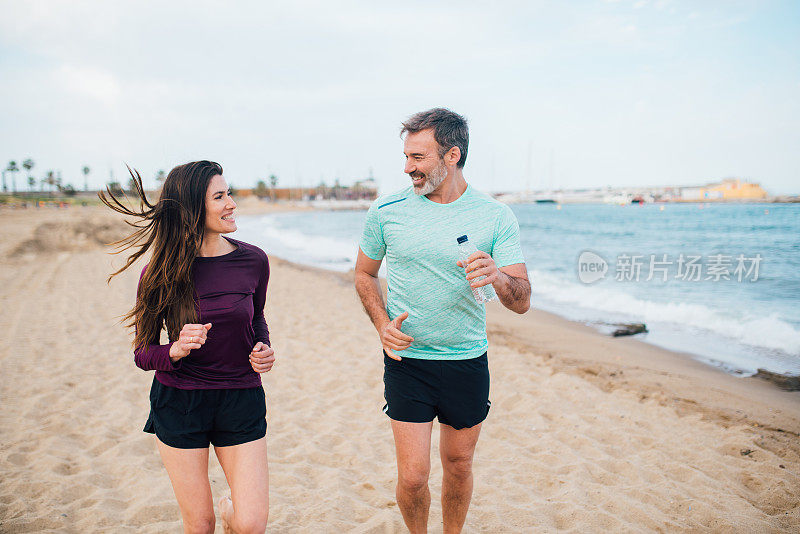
{"points": [[208, 292]]}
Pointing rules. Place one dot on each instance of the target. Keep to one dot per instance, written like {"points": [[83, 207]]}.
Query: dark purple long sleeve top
{"points": [[230, 291]]}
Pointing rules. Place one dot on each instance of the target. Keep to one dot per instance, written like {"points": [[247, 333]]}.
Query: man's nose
{"points": [[410, 167]]}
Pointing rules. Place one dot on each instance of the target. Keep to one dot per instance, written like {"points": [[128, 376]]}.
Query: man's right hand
{"points": [[393, 339], [192, 336]]}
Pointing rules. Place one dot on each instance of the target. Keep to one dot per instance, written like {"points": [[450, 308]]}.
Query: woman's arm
{"points": [[155, 358], [260, 327]]}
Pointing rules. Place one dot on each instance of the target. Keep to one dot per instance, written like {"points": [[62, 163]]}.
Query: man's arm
{"points": [[369, 290], [510, 282], [513, 287]]}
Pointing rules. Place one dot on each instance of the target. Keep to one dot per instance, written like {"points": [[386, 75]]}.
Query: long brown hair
{"points": [[172, 230]]}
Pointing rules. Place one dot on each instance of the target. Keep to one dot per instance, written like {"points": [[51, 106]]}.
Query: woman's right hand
{"points": [[192, 337]]}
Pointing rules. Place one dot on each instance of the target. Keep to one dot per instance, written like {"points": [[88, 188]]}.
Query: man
{"points": [[432, 329]]}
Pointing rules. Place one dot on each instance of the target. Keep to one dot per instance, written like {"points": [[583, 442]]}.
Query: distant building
{"points": [[360, 190], [728, 189]]}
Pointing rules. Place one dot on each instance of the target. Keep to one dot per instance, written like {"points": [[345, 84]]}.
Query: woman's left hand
{"points": [[262, 357]]}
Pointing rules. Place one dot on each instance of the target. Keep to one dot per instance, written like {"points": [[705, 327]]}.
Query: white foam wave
{"points": [[322, 251], [770, 332]]}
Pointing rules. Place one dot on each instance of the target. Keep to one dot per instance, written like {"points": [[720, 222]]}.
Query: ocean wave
{"points": [[295, 245], [770, 332]]}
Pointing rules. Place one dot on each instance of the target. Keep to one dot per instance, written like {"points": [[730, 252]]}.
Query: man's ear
{"points": [[452, 156]]}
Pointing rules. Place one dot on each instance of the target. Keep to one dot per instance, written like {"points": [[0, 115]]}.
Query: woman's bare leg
{"points": [[188, 472], [247, 472]]}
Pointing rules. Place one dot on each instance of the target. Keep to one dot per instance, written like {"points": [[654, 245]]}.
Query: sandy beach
{"points": [[587, 433]]}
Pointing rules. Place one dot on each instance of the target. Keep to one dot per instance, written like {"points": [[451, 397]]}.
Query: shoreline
{"points": [[107, 227], [784, 380], [669, 376]]}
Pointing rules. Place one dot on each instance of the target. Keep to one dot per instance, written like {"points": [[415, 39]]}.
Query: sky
{"points": [[577, 94]]}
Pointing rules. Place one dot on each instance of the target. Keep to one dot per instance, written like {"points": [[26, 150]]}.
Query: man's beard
{"points": [[432, 180]]}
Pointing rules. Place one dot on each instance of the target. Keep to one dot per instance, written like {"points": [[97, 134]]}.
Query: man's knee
{"points": [[413, 478], [456, 465]]}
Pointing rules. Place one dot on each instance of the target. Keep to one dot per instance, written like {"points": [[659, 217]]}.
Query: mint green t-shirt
{"points": [[418, 238]]}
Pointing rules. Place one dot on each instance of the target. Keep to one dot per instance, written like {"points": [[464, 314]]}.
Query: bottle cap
{"points": [[462, 239]]}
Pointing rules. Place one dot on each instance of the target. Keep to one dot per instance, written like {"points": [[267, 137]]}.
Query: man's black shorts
{"points": [[193, 418], [455, 391]]}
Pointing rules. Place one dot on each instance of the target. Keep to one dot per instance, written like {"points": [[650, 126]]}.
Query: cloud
{"points": [[314, 89], [86, 81]]}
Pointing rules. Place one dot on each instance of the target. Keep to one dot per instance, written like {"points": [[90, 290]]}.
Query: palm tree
{"points": [[31, 183], [28, 165], [50, 179], [86, 170], [13, 169], [273, 182]]}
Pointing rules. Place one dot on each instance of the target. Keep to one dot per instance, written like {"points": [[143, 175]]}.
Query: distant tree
{"points": [[50, 180], [58, 182], [86, 170], [161, 176], [131, 184], [261, 189], [273, 183], [69, 190], [28, 165], [13, 170], [114, 187]]}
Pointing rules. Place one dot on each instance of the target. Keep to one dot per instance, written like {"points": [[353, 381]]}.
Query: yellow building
{"points": [[735, 189], [728, 189]]}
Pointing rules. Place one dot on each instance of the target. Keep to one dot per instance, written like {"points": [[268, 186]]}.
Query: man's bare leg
{"points": [[412, 443], [456, 448]]}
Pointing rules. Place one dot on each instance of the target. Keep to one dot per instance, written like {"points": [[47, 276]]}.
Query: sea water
{"points": [[740, 320]]}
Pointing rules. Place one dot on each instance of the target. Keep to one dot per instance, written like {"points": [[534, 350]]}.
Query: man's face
{"points": [[423, 164]]}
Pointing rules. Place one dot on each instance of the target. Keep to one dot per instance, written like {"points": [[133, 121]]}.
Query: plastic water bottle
{"points": [[465, 250]]}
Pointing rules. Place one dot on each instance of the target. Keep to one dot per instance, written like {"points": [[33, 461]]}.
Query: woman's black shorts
{"points": [[193, 418], [455, 391]]}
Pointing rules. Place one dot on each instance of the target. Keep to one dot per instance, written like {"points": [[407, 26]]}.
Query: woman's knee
{"points": [[200, 524], [252, 522]]}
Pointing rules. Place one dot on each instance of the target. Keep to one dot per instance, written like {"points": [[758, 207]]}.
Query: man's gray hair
{"points": [[449, 130]]}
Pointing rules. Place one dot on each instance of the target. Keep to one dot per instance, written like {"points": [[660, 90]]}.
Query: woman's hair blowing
{"points": [[172, 231]]}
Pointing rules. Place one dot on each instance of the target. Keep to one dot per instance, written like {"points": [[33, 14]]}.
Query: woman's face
{"points": [[219, 207]]}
